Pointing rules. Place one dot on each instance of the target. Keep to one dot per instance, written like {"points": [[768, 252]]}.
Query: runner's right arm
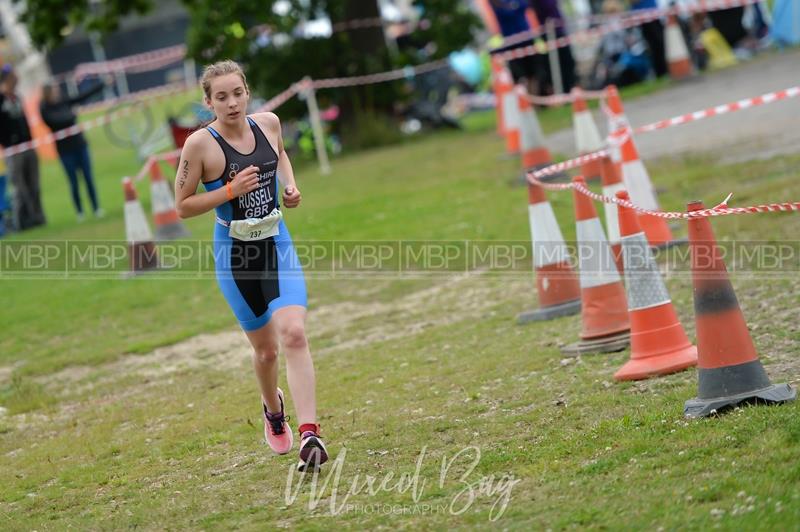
{"points": [[188, 202]]}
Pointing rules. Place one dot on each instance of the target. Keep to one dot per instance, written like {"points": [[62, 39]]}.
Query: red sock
{"points": [[313, 427]]}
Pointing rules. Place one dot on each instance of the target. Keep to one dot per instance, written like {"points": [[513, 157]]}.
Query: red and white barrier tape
{"points": [[720, 210], [561, 99], [368, 79], [132, 62], [566, 165], [619, 137], [620, 23], [280, 99], [770, 97], [91, 124], [154, 93], [270, 105]]}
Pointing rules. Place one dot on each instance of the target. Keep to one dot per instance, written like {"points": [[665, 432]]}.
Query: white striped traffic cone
{"points": [[168, 224], [142, 253], [604, 308], [587, 136], [533, 152], [637, 180], [659, 344], [611, 178], [556, 281], [678, 59]]}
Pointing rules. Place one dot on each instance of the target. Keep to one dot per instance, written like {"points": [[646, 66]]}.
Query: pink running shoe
{"points": [[277, 430], [312, 451]]}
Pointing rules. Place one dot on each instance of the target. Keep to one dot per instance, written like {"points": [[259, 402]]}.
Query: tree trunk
{"points": [[362, 51]]}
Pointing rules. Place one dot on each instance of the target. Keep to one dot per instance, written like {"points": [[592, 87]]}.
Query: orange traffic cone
{"points": [[637, 182], [604, 309], [511, 113], [168, 224], [659, 345], [678, 60], [142, 253], [587, 136], [729, 371], [534, 153], [499, 89], [615, 118], [556, 281], [611, 178]]}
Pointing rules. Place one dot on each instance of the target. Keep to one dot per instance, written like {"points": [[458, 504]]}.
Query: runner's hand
{"points": [[291, 197], [245, 181]]}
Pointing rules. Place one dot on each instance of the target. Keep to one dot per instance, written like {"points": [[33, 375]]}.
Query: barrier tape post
{"points": [[316, 125], [555, 64]]}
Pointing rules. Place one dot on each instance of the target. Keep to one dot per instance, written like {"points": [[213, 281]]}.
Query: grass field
{"points": [[121, 416]]}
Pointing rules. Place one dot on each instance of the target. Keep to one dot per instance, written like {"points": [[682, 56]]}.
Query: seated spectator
{"points": [[622, 56]]}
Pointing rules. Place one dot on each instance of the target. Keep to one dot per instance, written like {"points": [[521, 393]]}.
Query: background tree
{"points": [[263, 37]]}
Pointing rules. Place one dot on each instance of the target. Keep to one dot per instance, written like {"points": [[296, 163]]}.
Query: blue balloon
{"points": [[467, 64]]}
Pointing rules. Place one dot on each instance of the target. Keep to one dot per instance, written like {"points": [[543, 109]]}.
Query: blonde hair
{"points": [[221, 68]]}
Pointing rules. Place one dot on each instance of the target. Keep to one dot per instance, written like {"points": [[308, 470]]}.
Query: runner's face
{"points": [[229, 98]]}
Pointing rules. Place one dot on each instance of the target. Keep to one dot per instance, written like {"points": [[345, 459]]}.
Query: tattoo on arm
{"points": [[185, 173]]}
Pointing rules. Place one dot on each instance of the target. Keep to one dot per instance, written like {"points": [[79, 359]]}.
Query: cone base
{"points": [[171, 231], [551, 312], [644, 368], [775, 394], [606, 344], [672, 243]]}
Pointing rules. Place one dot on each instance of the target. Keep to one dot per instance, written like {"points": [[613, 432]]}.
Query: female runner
{"points": [[239, 159]]}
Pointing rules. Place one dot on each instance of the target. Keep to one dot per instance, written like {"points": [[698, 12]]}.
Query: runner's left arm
{"points": [[290, 196]]}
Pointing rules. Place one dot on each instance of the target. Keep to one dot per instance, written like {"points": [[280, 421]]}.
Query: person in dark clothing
{"points": [[23, 168], [510, 15], [653, 33], [548, 10], [72, 150]]}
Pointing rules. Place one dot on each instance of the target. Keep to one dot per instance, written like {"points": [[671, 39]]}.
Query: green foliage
{"points": [[263, 42], [49, 21]]}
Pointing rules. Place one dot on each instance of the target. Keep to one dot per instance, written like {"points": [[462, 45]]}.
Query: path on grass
{"points": [[754, 133]]}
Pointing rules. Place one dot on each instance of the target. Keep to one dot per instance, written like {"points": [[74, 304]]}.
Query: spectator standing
{"points": [[548, 10], [653, 33], [73, 150], [510, 15], [23, 168]]}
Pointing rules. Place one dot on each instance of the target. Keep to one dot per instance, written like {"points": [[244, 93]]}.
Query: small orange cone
{"points": [[142, 253], [168, 224], [611, 178], [604, 308], [680, 64], [556, 281], [659, 345], [534, 153], [587, 136], [729, 371], [511, 119], [637, 182]]}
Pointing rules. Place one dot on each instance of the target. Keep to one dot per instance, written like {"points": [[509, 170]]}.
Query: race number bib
{"points": [[256, 228]]}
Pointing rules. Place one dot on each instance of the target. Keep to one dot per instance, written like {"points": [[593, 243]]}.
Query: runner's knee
{"points": [[293, 335], [265, 354]]}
